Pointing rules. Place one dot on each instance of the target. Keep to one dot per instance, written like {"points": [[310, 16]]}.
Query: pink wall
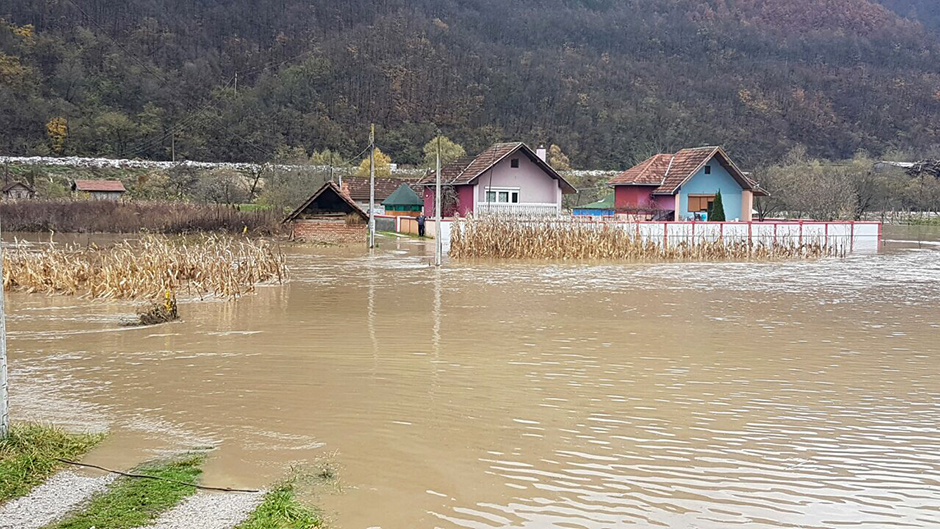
{"points": [[627, 197], [534, 185], [464, 202]]}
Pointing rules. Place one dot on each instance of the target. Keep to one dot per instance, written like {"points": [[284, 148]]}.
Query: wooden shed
{"points": [[329, 215], [18, 191]]}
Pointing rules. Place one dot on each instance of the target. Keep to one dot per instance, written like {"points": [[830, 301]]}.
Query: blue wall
{"points": [[592, 212], [710, 184]]}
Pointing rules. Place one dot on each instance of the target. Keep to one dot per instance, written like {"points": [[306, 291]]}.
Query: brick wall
{"points": [[335, 232]]}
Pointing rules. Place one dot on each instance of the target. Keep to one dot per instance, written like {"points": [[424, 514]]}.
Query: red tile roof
{"points": [[649, 172], [107, 186], [384, 186], [467, 169], [668, 172]]}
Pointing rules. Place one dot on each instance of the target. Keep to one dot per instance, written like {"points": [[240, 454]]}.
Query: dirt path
{"points": [[51, 500], [210, 510]]}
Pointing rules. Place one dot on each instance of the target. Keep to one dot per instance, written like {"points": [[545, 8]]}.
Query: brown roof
{"points": [[467, 169], [649, 172], [384, 186], [112, 186], [329, 188], [669, 172]]}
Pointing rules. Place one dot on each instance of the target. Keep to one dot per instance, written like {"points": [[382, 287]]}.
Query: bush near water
{"points": [[106, 216]]}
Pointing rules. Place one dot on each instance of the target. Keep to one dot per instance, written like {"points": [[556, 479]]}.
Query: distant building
{"points": [[329, 215], [403, 202], [682, 186], [18, 191], [507, 178], [99, 189], [601, 208]]}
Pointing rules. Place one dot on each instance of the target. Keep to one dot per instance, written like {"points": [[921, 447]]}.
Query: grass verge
{"points": [[282, 510], [28, 455], [133, 502]]}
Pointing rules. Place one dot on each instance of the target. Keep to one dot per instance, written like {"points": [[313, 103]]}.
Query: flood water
{"points": [[802, 394]]}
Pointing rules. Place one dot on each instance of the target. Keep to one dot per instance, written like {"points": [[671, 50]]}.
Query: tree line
{"points": [[608, 81]]}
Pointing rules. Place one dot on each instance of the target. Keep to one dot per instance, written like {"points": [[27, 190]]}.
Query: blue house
{"points": [[685, 183]]}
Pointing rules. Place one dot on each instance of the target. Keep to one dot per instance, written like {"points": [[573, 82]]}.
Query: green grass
{"points": [[281, 510], [935, 221], [133, 502], [27, 455]]}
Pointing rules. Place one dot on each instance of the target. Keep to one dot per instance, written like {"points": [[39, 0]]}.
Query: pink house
{"points": [[507, 177]]}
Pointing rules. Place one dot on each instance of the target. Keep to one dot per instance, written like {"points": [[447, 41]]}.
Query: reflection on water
{"points": [[525, 395]]}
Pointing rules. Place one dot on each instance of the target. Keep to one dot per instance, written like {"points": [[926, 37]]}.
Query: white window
{"points": [[502, 195]]}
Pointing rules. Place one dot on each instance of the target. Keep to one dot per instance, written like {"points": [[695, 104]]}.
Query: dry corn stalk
{"points": [[562, 239], [147, 268]]}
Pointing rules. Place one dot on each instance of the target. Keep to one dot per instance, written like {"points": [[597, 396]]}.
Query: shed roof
{"points": [[99, 186], [11, 185], [328, 199], [669, 172], [467, 169], [403, 196]]}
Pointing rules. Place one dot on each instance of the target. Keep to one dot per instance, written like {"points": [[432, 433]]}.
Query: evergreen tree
{"points": [[717, 211]]}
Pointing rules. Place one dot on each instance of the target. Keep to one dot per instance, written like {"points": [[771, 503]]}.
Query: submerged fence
{"points": [[573, 238], [860, 237], [848, 237]]}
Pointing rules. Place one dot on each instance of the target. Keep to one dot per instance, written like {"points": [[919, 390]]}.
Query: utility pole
{"points": [[173, 145], [439, 236], [372, 186], [4, 395], [331, 171], [236, 83]]}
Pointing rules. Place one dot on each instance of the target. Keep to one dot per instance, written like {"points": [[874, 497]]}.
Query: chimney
{"points": [[344, 188], [541, 152]]}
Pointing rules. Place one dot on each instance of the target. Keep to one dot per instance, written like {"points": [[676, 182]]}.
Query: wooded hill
{"points": [[610, 81]]}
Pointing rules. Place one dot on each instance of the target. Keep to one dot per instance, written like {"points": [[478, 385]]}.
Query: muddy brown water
{"points": [[802, 394]]}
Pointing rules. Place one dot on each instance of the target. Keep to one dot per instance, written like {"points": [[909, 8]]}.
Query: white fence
{"points": [[858, 237], [854, 237], [529, 209]]}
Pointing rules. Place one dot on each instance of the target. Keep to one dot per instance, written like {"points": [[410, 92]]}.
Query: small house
{"points": [[683, 185], [403, 202], [329, 215], [507, 178], [601, 208], [99, 189], [18, 191]]}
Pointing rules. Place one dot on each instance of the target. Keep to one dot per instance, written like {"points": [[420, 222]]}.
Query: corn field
{"points": [[562, 239], [147, 268]]}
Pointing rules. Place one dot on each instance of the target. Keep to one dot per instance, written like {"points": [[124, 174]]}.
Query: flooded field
{"points": [[801, 394]]}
